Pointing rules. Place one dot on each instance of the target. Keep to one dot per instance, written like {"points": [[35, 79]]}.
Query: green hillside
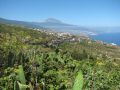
{"points": [[42, 60]]}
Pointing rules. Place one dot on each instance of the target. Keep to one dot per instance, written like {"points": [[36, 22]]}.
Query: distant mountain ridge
{"points": [[59, 26], [50, 23], [20, 23], [52, 20]]}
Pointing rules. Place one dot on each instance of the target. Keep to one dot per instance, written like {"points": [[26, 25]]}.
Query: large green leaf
{"points": [[21, 75], [19, 86], [78, 83]]}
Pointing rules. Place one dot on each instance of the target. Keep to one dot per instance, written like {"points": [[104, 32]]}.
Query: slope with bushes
{"points": [[28, 62]]}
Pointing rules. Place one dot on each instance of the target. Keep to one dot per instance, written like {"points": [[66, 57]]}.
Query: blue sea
{"points": [[108, 37]]}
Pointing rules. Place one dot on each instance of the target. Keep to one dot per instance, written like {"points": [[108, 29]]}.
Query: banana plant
{"points": [[19, 86], [20, 74], [20, 83], [78, 83]]}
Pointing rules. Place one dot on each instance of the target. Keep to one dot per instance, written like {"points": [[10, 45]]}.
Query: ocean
{"points": [[108, 37]]}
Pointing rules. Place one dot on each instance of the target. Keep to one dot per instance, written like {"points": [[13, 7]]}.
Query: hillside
{"points": [[46, 60], [19, 23], [50, 23], [60, 26]]}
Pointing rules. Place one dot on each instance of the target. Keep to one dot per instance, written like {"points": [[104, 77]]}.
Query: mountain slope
{"points": [[50, 23], [19, 23], [60, 26]]}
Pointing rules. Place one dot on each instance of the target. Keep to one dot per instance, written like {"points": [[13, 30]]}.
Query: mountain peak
{"points": [[53, 20]]}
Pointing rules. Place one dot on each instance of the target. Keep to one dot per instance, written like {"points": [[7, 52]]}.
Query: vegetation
{"points": [[29, 62], [78, 84]]}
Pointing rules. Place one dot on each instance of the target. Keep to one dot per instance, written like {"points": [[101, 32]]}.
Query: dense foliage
{"points": [[29, 62]]}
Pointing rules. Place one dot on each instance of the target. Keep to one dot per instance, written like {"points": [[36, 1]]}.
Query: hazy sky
{"points": [[80, 12]]}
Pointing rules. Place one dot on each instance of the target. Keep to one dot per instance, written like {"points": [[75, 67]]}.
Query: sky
{"points": [[78, 12]]}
